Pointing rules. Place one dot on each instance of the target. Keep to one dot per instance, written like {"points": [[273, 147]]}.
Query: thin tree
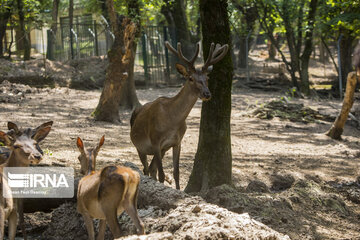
{"points": [[71, 22], [121, 57], [213, 159], [5, 14], [54, 16], [174, 13], [24, 34]]}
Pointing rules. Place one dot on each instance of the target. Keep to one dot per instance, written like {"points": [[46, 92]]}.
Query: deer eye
{"points": [[191, 78], [17, 146]]}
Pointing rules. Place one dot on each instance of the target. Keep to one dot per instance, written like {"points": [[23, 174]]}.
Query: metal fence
{"points": [[89, 38]]}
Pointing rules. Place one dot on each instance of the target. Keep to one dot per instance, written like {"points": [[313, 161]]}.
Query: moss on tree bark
{"points": [[213, 160]]}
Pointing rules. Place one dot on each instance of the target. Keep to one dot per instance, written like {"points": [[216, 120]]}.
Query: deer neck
{"points": [[183, 102], [13, 161]]}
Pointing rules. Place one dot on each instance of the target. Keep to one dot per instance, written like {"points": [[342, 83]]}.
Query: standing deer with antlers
{"points": [[160, 125]]}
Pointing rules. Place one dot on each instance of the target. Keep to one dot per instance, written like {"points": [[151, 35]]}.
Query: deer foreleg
{"points": [[20, 206], [12, 225], [144, 162]]}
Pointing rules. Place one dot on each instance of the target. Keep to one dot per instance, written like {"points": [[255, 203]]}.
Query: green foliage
{"points": [[340, 17]]}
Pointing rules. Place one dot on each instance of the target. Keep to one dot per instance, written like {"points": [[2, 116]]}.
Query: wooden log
{"points": [[338, 126]]}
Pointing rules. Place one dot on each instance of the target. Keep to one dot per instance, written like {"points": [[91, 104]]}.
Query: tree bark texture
{"points": [[338, 126], [213, 160], [174, 12], [121, 58], [128, 97], [52, 39], [308, 48], [346, 48], [4, 18], [24, 35]]}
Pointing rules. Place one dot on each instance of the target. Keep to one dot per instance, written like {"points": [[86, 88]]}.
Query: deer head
{"points": [[24, 144], [87, 156], [198, 78]]}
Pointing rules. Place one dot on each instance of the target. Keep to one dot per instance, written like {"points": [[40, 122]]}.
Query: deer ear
{"points": [[80, 144], [101, 141], [182, 69], [42, 131], [5, 138], [13, 126]]}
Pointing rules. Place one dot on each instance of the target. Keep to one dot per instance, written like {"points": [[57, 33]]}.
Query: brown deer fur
{"points": [[106, 194]]}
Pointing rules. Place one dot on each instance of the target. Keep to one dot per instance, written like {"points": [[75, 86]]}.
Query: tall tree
{"points": [[71, 22], [128, 97], [298, 19], [24, 34], [5, 14], [247, 14], [54, 23], [341, 19], [120, 59], [175, 15], [213, 159]]}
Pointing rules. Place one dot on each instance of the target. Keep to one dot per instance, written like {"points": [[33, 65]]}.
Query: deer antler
{"points": [[179, 53], [215, 55]]}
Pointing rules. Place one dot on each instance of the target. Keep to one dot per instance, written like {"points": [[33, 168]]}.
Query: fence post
{"points": [[144, 52], [96, 39], [339, 65], [166, 54], [49, 54], [247, 57]]}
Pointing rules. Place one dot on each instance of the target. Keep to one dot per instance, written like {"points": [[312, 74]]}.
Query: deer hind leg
{"points": [[176, 156], [154, 167], [89, 226], [110, 211], [102, 228], [131, 210], [144, 162], [12, 224]]}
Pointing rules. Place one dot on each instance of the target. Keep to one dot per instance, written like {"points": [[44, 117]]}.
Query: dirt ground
{"points": [[287, 174]]}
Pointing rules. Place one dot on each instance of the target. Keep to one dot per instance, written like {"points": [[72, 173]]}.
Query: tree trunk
{"points": [[271, 50], [338, 127], [242, 52], [71, 22], [128, 97], [24, 34], [174, 12], [120, 61], [52, 37], [346, 47], [4, 18], [308, 48], [213, 160]]}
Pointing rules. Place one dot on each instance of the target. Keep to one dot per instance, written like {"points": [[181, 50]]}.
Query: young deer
{"points": [[106, 194], [24, 150], [160, 125]]}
